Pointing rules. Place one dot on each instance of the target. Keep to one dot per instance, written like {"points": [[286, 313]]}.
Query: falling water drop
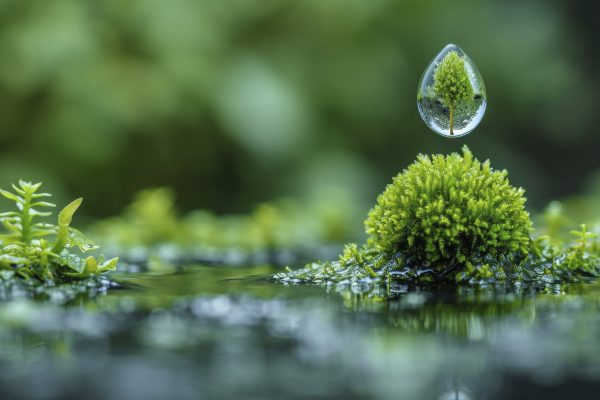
{"points": [[451, 96]]}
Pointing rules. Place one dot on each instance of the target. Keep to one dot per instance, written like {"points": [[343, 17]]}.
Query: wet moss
{"points": [[455, 219], [444, 210]]}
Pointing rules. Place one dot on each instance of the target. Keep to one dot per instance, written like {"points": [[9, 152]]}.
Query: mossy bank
{"points": [[454, 219]]}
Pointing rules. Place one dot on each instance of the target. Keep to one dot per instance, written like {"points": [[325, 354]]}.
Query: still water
{"points": [[215, 332]]}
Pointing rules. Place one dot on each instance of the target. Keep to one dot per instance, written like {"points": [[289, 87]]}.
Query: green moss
{"points": [[26, 250], [455, 219], [446, 210]]}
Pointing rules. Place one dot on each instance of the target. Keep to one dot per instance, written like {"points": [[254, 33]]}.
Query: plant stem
{"points": [[26, 219], [451, 119]]}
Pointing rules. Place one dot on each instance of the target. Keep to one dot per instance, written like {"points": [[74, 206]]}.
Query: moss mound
{"points": [[444, 210], [454, 219]]}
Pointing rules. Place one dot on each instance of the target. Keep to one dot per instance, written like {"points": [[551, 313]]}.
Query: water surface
{"points": [[228, 332]]}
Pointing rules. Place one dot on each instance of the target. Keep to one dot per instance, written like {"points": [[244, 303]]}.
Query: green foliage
{"points": [[583, 253], [451, 80], [446, 210], [452, 86], [116, 90], [454, 219], [26, 249], [580, 255], [554, 224], [152, 220]]}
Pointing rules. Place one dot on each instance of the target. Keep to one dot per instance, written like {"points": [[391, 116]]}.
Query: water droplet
{"points": [[451, 96]]}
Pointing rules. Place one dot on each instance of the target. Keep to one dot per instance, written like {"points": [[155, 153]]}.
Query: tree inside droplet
{"points": [[451, 84], [451, 96]]}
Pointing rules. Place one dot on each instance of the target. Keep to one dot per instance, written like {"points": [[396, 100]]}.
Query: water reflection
{"points": [[229, 333], [462, 312]]}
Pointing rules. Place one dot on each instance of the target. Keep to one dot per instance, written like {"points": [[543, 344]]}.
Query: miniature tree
{"points": [[451, 84]]}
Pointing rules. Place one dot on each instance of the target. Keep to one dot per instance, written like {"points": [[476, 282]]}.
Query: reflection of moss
{"points": [[448, 310], [471, 313], [465, 319]]}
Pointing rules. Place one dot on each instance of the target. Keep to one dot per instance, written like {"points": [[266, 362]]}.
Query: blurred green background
{"points": [[232, 103]]}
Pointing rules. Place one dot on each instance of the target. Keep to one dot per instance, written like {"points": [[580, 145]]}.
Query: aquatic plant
{"points": [[454, 219], [26, 249]]}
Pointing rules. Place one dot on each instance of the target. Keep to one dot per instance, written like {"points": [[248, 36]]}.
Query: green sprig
{"points": [[27, 249]]}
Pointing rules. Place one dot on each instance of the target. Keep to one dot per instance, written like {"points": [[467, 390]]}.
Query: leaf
{"points": [[43, 225], [66, 214], [42, 204], [76, 238], [91, 266], [64, 219], [11, 196], [109, 265], [12, 226], [39, 195], [71, 262], [18, 189], [42, 229], [41, 233], [37, 213], [9, 239], [28, 186]]}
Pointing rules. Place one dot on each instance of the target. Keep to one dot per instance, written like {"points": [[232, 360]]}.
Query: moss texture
{"points": [[455, 219], [444, 210]]}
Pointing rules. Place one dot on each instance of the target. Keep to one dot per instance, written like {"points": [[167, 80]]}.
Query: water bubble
{"points": [[451, 96]]}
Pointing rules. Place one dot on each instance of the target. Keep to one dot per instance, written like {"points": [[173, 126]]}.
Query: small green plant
{"points": [[26, 249], [580, 255], [451, 84]]}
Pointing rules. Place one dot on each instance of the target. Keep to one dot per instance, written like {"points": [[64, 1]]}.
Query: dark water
{"points": [[221, 332]]}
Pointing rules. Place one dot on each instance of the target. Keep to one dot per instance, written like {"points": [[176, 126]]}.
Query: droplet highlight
{"points": [[451, 96]]}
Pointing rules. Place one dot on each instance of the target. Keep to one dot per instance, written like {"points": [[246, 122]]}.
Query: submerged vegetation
{"points": [[455, 219], [40, 250]]}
